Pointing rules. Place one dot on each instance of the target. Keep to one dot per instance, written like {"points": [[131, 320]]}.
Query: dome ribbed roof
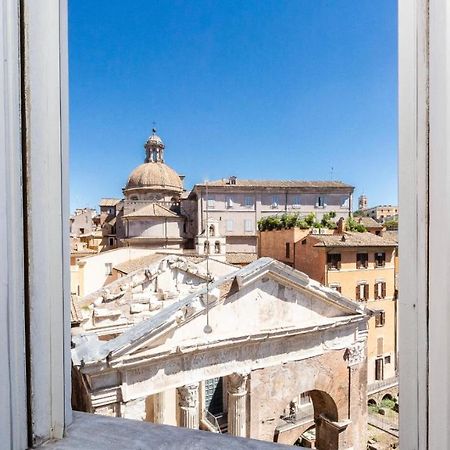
{"points": [[154, 139], [155, 176]]}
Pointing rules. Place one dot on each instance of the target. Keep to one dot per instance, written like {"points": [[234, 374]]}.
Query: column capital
{"points": [[237, 383], [188, 395]]}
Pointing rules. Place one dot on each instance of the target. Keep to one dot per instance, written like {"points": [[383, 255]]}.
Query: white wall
{"points": [[94, 270]]}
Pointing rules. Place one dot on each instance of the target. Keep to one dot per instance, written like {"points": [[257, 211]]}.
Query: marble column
{"points": [[159, 405], [189, 414], [237, 402]]}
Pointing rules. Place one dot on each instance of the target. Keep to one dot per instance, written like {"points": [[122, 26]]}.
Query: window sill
{"points": [[94, 432]]}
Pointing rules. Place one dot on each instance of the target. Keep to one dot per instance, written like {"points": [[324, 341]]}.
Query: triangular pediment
{"points": [[265, 298]]}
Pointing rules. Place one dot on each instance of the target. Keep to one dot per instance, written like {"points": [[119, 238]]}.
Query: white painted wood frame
{"points": [[424, 179], [424, 241], [34, 205], [47, 207], [13, 399]]}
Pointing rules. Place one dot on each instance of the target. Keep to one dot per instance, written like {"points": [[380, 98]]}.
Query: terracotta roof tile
{"points": [[109, 201], [368, 222], [352, 239], [279, 183], [138, 263]]}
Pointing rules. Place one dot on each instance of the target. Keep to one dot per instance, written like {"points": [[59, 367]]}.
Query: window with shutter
{"points": [[383, 289], [380, 318], [366, 292], [334, 261], [358, 290], [362, 260], [380, 259], [288, 250], [379, 375]]}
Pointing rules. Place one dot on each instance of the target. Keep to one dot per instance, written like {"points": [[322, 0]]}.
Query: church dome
{"points": [[154, 176]]}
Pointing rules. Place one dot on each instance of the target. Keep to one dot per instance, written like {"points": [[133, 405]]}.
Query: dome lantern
{"points": [[154, 148]]}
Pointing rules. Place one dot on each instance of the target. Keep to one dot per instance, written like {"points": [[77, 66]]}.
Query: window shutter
{"points": [[366, 292], [383, 317], [339, 289], [375, 291], [358, 297], [358, 262], [366, 262], [338, 265], [383, 289]]}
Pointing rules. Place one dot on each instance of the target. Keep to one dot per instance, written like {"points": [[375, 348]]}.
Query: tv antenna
{"points": [[207, 328]]}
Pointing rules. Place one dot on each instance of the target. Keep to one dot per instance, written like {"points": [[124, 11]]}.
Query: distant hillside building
{"points": [[82, 221], [362, 202], [381, 213]]}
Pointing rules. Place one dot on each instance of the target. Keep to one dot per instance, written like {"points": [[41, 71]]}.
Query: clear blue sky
{"points": [[257, 88]]}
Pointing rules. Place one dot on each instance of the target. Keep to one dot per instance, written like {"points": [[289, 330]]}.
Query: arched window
{"points": [[206, 247], [217, 247], [211, 230]]}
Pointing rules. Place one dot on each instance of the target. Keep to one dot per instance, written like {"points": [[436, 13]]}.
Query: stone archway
{"points": [[323, 416], [326, 420]]}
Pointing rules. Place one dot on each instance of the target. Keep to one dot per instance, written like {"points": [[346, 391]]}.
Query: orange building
{"points": [[361, 266]]}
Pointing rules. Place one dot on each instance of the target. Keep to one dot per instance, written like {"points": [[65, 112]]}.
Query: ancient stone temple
{"points": [[151, 211], [262, 352]]}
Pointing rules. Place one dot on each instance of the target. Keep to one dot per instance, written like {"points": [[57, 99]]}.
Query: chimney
{"points": [[340, 226]]}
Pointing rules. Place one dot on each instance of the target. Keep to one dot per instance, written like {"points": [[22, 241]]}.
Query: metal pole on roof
{"points": [[207, 328]]}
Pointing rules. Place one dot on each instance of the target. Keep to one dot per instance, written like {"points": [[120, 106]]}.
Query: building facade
{"points": [[151, 208], [238, 205], [359, 265]]}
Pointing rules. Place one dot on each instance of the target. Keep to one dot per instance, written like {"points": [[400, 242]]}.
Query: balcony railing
{"points": [[382, 384]]}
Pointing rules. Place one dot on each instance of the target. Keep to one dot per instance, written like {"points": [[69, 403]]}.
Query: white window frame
{"points": [[229, 225], [296, 201], [211, 201], [424, 108], [249, 226], [275, 201], [249, 201]]}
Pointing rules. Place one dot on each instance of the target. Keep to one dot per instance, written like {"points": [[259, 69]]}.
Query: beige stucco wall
{"points": [[349, 276], [312, 260], [159, 228], [388, 333]]}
